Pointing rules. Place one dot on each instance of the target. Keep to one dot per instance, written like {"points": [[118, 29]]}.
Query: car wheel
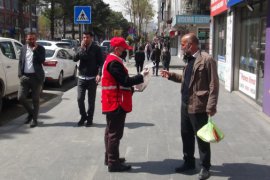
{"points": [[74, 73], [59, 82]]}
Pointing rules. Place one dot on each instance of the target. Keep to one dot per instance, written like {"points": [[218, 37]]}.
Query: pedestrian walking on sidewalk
{"points": [[200, 87], [31, 76], [148, 50], [91, 61], [155, 57], [139, 59], [116, 98], [165, 58]]}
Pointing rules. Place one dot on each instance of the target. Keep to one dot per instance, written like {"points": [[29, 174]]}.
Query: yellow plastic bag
{"points": [[210, 132]]}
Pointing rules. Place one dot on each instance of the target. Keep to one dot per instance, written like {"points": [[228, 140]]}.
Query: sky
{"points": [[117, 6]]}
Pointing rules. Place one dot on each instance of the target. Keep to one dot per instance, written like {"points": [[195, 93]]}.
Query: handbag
{"points": [[210, 132]]}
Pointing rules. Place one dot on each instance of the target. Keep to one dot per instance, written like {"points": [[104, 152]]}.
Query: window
{"points": [[8, 6], [252, 38], [8, 50], [1, 4]]}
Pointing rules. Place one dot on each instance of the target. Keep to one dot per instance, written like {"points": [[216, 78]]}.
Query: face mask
{"points": [[123, 55]]}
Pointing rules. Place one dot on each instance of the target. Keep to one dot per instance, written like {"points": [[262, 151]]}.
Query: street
{"points": [[59, 150]]}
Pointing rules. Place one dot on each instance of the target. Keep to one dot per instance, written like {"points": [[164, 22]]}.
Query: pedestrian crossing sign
{"points": [[82, 14]]}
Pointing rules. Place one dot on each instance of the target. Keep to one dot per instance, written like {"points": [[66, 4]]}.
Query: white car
{"points": [[59, 65], [57, 44], [9, 59]]}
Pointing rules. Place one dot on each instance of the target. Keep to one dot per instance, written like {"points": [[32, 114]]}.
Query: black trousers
{"points": [[155, 68], [139, 66], [27, 83], [113, 134], [91, 87], [190, 124]]}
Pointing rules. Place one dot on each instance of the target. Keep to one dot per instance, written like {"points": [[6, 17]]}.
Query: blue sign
{"points": [[82, 14], [233, 2], [195, 19]]}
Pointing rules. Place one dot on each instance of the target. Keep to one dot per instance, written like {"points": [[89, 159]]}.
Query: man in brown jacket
{"points": [[200, 87]]}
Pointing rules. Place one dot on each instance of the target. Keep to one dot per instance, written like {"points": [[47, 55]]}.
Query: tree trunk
{"points": [[52, 19], [20, 21]]}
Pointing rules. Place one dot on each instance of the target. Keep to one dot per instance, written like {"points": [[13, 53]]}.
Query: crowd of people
{"points": [[155, 51]]}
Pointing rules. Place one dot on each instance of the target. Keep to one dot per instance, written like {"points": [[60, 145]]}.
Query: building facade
{"points": [[240, 40], [9, 18]]}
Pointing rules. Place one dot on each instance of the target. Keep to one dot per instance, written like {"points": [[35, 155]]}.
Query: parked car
{"points": [[106, 43], [74, 44], [9, 58], [57, 44], [104, 51], [59, 65]]}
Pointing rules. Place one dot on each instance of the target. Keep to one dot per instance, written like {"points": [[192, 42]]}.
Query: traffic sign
{"points": [[82, 14]]}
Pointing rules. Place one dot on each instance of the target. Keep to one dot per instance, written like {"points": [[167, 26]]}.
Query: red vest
{"points": [[113, 95]]}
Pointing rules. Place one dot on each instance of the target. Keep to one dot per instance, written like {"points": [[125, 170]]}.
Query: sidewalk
{"points": [[59, 150]]}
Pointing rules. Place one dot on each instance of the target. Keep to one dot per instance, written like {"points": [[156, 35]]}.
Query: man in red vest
{"points": [[116, 101]]}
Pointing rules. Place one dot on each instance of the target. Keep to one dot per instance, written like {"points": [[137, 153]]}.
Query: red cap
{"points": [[120, 42]]}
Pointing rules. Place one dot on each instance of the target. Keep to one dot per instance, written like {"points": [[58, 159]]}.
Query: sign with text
{"points": [[247, 83], [218, 6], [195, 19], [82, 14]]}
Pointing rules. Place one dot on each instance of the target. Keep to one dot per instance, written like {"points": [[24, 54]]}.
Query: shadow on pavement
{"points": [[241, 171], [62, 124], [134, 125], [164, 167]]}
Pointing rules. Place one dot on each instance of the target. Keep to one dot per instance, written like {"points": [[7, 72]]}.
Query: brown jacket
{"points": [[204, 84]]}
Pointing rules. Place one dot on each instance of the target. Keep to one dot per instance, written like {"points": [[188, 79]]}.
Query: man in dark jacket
{"points": [[90, 66], [155, 57], [31, 76], [139, 59]]}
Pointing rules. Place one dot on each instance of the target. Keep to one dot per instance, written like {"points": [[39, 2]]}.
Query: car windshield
{"points": [[44, 43], [49, 53], [104, 48], [64, 45]]}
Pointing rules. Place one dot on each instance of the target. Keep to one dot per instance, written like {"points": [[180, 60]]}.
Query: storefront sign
{"points": [[247, 83], [196, 19], [218, 6], [233, 2]]}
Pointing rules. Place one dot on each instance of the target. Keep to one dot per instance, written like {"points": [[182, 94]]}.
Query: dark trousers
{"points": [[190, 124], [155, 68], [27, 83], [139, 66], [91, 87], [148, 54], [113, 134]]}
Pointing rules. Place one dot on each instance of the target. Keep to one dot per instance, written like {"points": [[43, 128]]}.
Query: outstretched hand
{"points": [[145, 71], [165, 74]]}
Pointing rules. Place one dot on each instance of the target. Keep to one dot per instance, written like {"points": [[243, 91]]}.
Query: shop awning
{"points": [[233, 2]]}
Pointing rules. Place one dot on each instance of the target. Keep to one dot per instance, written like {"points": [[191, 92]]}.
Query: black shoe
{"points": [[185, 167], [33, 123], [204, 174], [121, 160], [89, 123], [82, 120], [119, 167], [28, 119]]}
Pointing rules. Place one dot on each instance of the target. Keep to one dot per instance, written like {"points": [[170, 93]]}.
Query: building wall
{"points": [[266, 95]]}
